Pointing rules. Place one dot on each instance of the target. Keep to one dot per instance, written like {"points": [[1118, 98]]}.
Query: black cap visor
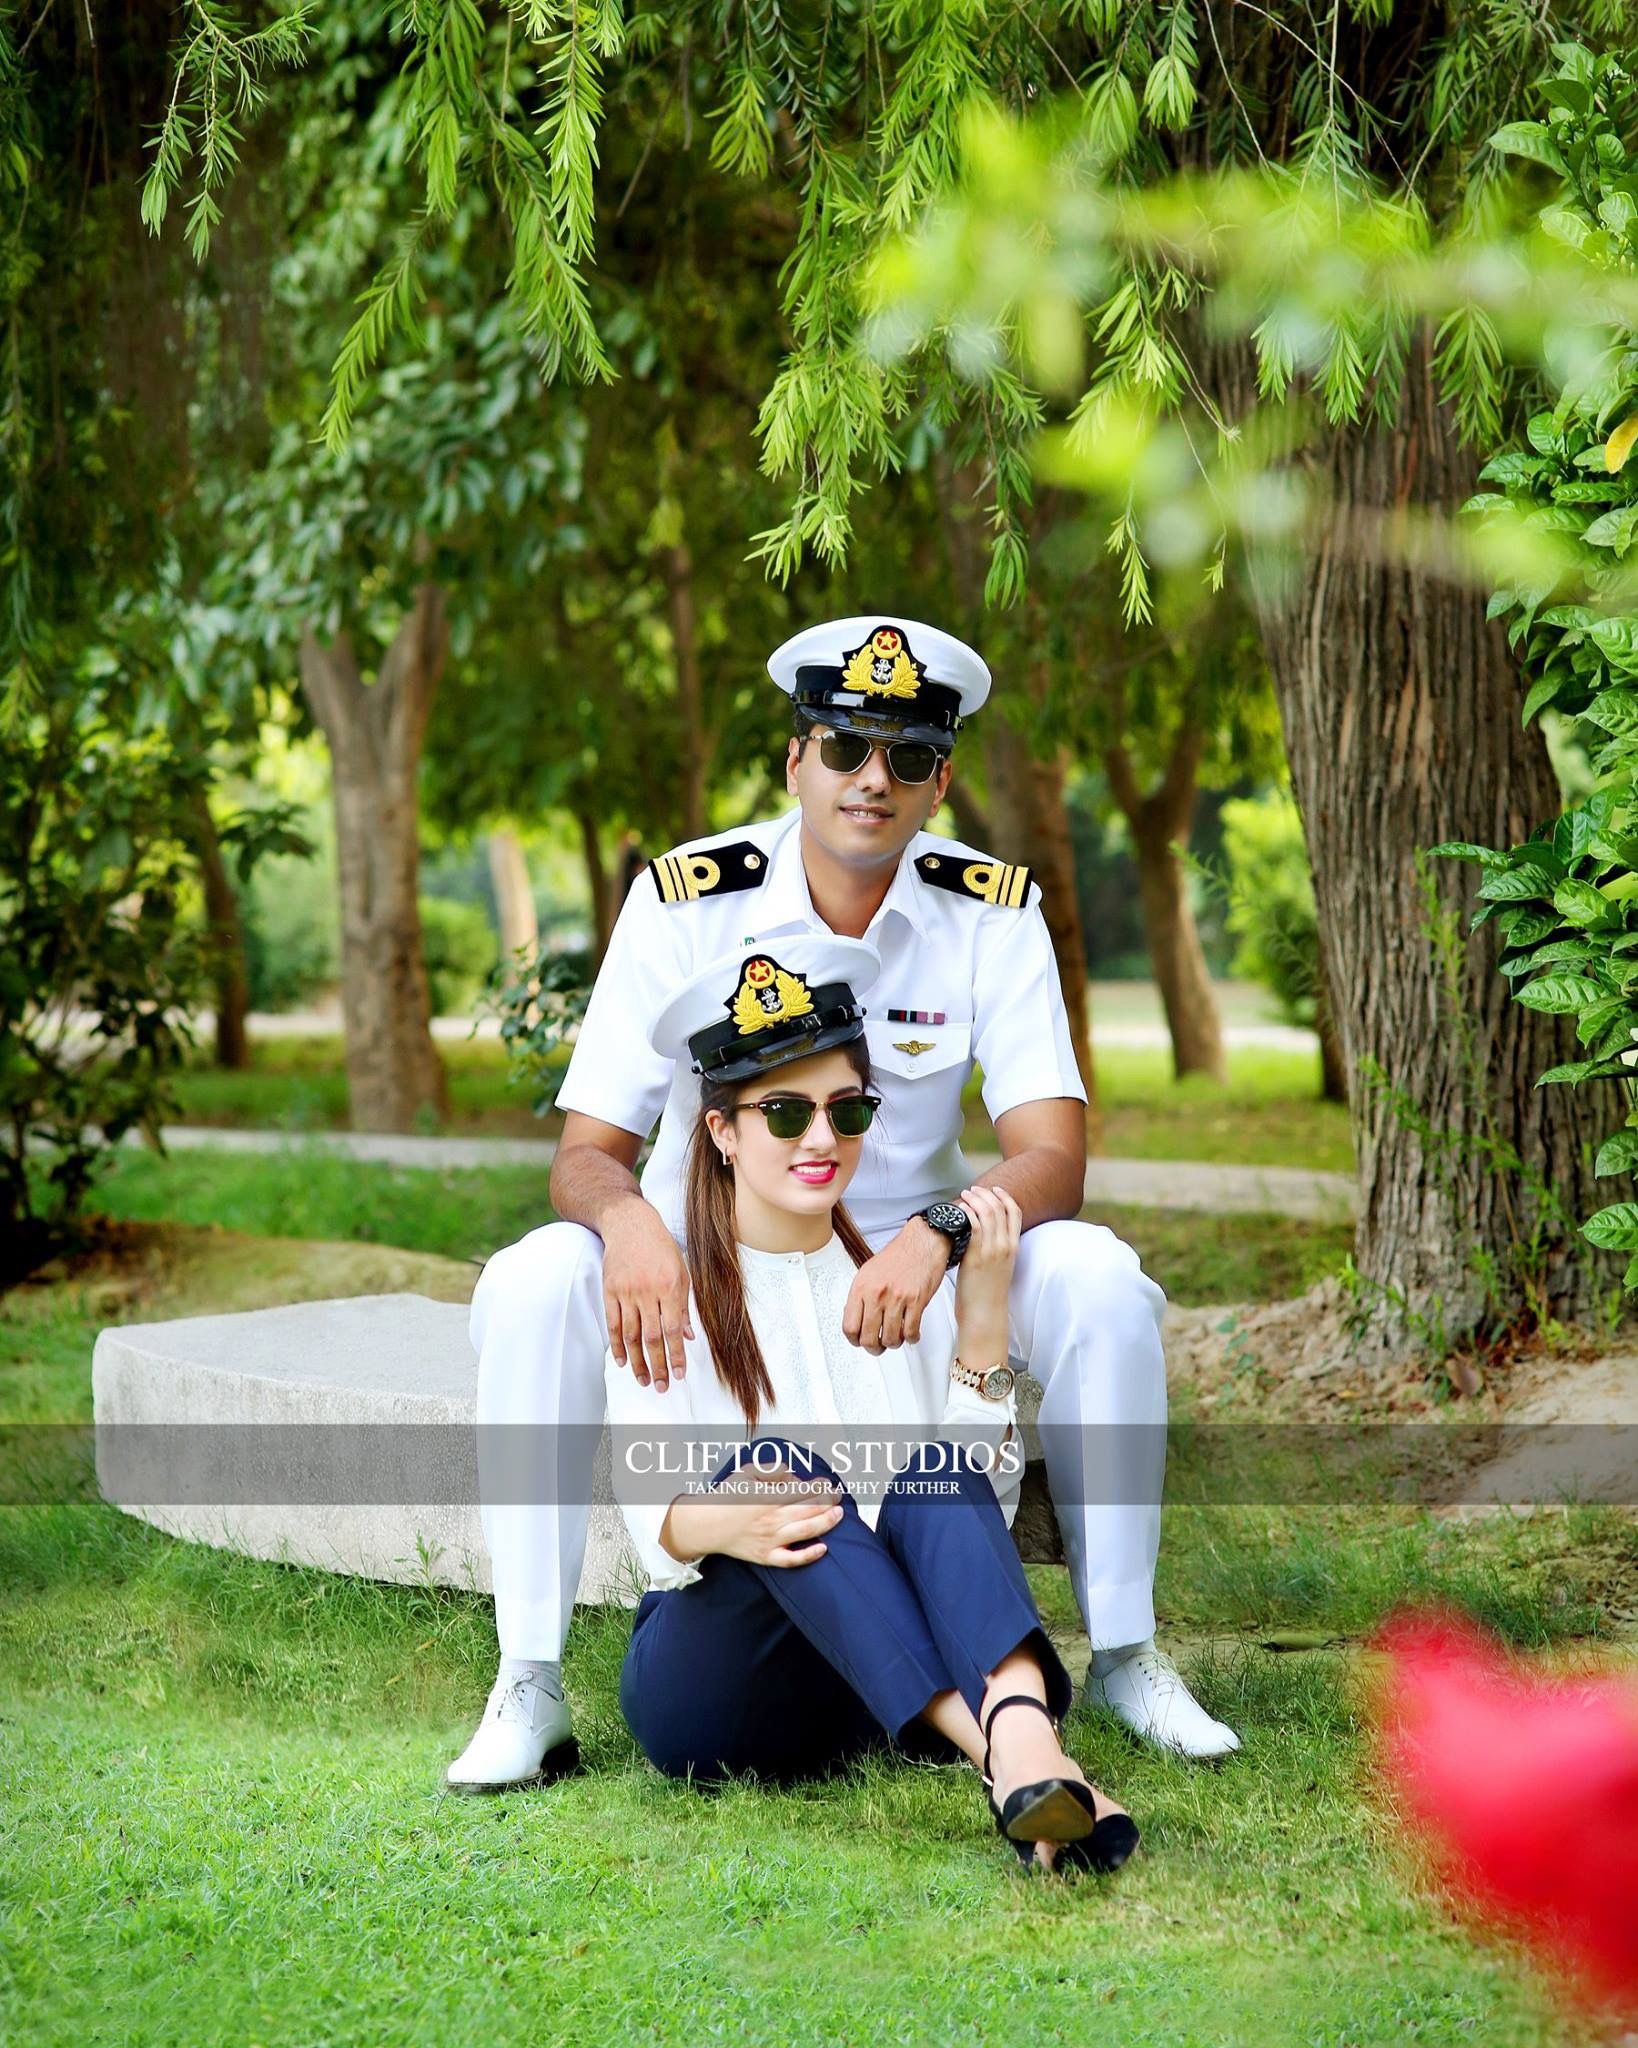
{"points": [[722, 1052], [933, 715]]}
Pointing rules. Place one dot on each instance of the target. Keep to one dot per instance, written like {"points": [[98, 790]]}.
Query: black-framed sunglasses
{"points": [[844, 753], [790, 1115]]}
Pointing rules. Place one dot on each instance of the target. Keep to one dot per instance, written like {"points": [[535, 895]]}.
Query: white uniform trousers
{"points": [[1085, 1318]]}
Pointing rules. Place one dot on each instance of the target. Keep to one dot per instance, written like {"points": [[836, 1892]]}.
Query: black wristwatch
{"points": [[954, 1222]]}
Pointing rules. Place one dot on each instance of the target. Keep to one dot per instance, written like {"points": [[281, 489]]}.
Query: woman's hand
{"points": [[984, 1277], [773, 1511]]}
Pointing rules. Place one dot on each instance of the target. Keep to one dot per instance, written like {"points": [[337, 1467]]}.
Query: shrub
{"points": [[292, 921], [94, 871], [459, 948], [1271, 902]]}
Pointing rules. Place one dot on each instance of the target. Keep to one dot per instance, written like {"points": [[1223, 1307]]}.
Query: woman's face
{"points": [[806, 1174]]}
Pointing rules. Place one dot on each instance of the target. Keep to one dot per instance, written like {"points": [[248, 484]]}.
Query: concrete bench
{"points": [[371, 1359]]}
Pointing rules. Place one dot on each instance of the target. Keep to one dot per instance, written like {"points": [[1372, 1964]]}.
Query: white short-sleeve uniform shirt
{"points": [[973, 981]]}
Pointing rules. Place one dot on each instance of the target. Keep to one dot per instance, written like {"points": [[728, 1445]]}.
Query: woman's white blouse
{"points": [[822, 1384]]}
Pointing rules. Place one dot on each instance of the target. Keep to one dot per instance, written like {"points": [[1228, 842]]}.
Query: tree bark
{"points": [[1333, 1065], [1156, 820], [514, 900], [226, 940], [375, 735], [597, 882], [1400, 708]]}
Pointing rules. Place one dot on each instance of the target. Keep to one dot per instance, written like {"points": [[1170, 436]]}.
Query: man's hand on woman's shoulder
{"points": [[645, 1293]]}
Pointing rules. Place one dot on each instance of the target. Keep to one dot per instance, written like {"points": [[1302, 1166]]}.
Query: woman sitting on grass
{"points": [[789, 1626]]}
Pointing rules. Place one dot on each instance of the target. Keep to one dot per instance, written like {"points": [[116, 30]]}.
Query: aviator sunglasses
{"points": [[844, 753], [790, 1115]]}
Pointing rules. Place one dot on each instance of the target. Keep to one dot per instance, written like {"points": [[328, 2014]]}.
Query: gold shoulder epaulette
{"points": [[681, 877], [991, 881]]}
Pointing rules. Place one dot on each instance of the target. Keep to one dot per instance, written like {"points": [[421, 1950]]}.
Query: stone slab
{"points": [[367, 1359], [381, 1358]]}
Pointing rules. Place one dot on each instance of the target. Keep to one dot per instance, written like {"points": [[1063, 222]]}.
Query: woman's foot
{"points": [[1024, 1750]]}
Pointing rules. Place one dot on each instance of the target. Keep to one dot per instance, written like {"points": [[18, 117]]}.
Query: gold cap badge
{"points": [[766, 995], [883, 666]]}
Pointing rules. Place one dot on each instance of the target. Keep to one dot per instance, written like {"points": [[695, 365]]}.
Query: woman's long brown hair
{"points": [[713, 1247]]}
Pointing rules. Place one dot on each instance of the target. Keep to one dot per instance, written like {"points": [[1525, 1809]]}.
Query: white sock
{"points": [[1104, 1661], [546, 1673]]}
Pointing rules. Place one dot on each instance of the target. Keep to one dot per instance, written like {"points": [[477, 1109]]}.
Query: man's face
{"points": [[864, 818]]}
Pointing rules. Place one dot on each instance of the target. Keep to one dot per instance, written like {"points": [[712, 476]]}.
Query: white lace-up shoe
{"points": [[1145, 1690], [524, 1738]]}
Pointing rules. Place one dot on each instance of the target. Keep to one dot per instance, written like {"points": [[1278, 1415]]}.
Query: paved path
{"points": [[1119, 1021], [1146, 1183]]}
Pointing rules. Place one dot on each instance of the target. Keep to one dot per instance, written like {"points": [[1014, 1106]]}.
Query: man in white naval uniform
{"points": [[968, 974]]}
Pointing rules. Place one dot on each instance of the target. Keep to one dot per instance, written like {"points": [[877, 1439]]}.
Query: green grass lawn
{"points": [[1268, 1113], [220, 1777], [468, 1212]]}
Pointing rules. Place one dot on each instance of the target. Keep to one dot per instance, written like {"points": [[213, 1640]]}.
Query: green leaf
{"points": [[1562, 953], [1616, 711], [1513, 466], [1618, 1153], [1580, 1070], [1518, 885], [1541, 692], [1559, 994], [1464, 849], [1594, 1023], [1613, 530], [1530, 925], [1614, 1229], [1531, 139], [1616, 635], [1580, 903], [1567, 226]]}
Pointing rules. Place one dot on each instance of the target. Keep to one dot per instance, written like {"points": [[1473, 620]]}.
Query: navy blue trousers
{"points": [[791, 1671]]}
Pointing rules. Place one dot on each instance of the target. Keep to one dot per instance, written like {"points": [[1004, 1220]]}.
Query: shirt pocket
{"points": [[916, 1052]]}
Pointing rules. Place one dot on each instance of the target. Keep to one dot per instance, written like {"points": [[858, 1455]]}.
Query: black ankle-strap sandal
{"points": [[1058, 1810]]}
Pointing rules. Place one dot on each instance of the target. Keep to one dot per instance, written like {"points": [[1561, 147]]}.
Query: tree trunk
{"points": [[1400, 707], [375, 735], [1156, 820], [226, 941], [1333, 1066], [597, 882], [514, 900], [694, 764], [972, 820], [1031, 824]]}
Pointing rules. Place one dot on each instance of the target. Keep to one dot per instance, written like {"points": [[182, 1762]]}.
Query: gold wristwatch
{"points": [[994, 1382]]}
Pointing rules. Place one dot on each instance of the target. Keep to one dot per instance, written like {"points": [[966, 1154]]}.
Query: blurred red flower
{"points": [[1527, 1785]]}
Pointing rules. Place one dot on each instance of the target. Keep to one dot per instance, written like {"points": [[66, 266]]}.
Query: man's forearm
{"points": [[1044, 1180], [586, 1185]]}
